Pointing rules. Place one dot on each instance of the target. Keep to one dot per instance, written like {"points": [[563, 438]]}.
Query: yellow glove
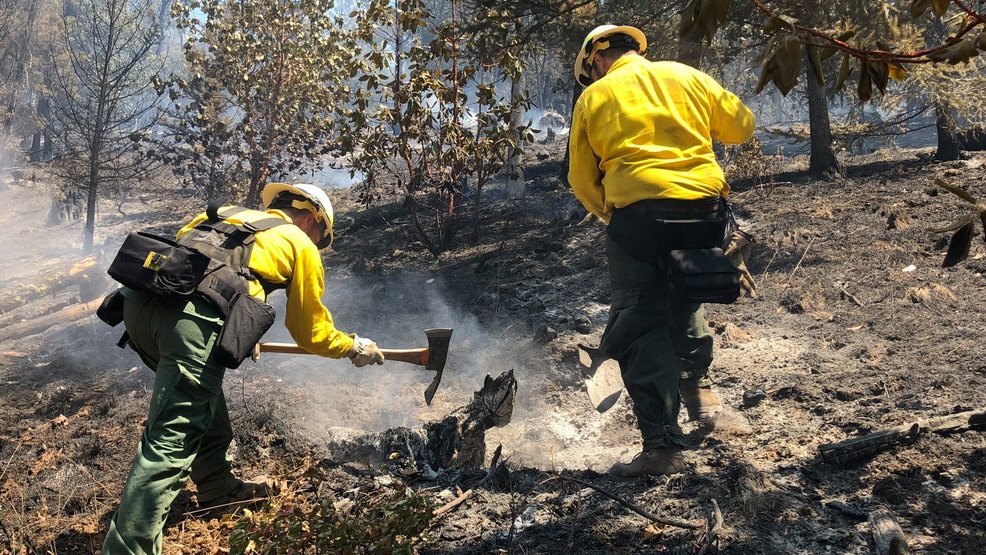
{"points": [[365, 352], [738, 251]]}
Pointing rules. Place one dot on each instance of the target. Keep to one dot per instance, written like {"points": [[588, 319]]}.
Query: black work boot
{"points": [[651, 462], [701, 403]]}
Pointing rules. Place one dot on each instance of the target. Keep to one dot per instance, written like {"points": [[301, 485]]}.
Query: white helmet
{"points": [[596, 41], [313, 199]]}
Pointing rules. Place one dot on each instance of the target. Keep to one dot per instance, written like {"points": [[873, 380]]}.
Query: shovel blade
{"points": [[604, 382]]}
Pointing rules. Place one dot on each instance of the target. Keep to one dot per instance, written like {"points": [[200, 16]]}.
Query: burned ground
{"points": [[844, 339]]}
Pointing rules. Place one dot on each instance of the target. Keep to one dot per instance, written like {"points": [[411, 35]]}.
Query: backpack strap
{"points": [[229, 244]]}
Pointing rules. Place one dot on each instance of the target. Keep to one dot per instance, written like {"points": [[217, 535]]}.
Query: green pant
{"points": [[657, 340], [187, 430]]}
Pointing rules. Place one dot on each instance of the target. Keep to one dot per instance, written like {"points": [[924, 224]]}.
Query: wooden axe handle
{"points": [[414, 356]]}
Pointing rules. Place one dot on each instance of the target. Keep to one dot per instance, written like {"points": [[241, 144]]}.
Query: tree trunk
{"points": [[458, 440], [93, 187], [948, 139], [17, 77], [41, 136], [823, 160], [690, 49], [163, 19], [515, 173], [576, 92]]}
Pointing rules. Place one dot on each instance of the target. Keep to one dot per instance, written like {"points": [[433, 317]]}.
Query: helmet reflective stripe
{"points": [[316, 202], [595, 42]]}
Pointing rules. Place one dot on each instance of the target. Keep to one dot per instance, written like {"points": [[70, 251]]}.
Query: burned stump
{"points": [[458, 440]]}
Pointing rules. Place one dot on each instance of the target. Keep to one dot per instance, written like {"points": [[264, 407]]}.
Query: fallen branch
{"points": [[847, 509], [38, 325], [711, 536], [79, 274], [494, 466], [637, 509], [854, 449]]}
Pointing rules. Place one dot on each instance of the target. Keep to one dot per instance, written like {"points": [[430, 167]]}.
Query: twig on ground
{"points": [[27, 541], [10, 460], [798, 265], [711, 535], [246, 405], [846, 294], [636, 508], [471, 491], [575, 519], [453, 503], [763, 276]]}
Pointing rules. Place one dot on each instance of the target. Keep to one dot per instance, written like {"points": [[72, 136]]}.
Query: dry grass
{"points": [[732, 334], [933, 294]]}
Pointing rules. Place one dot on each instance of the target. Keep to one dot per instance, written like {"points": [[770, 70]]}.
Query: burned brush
{"points": [[964, 227]]}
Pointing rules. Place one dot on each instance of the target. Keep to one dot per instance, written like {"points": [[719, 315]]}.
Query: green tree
{"points": [[428, 111], [256, 100], [871, 55], [99, 80]]}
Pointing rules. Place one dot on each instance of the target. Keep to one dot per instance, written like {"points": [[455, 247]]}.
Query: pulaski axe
{"points": [[432, 357]]}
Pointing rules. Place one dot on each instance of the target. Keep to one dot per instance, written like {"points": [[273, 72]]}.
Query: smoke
{"points": [[331, 176], [27, 240], [542, 121], [321, 399], [36, 253], [337, 398], [327, 400]]}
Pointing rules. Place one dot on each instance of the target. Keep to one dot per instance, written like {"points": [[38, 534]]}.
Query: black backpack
{"points": [[210, 261]]}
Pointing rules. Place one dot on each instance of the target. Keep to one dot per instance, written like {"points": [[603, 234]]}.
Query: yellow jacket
{"points": [[285, 255], [645, 131]]}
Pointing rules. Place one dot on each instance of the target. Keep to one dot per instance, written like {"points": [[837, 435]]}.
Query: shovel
{"points": [[603, 380], [432, 357]]}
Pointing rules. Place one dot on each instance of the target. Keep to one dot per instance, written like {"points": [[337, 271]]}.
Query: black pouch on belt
{"points": [[111, 309], [158, 266], [248, 320], [703, 276]]}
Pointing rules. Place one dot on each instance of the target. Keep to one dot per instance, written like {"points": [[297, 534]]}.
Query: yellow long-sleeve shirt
{"points": [[286, 255], [645, 131]]}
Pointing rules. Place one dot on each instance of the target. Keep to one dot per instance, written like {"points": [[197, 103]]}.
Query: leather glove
{"points": [[738, 251], [365, 352]]}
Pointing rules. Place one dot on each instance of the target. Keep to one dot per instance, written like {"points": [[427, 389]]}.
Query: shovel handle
{"points": [[413, 356]]}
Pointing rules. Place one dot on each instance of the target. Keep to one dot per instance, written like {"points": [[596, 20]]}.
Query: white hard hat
{"points": [[318, 203], [596, 41]]}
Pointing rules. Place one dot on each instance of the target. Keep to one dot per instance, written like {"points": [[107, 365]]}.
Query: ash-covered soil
{"points": [[857, 328]]}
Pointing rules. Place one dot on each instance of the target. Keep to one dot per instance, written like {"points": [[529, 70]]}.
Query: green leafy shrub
{"points": [[382, 524]]}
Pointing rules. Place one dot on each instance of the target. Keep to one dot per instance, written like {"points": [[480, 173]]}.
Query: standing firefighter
{"points": [[642, 160], [188, 429]]}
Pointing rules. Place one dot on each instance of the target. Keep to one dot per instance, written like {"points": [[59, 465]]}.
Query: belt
{"points": [[675, 206]]}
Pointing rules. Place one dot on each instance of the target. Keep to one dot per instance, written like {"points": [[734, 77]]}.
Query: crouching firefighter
{"points": [[195, 307]]}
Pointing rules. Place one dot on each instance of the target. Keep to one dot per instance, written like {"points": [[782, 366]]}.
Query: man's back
{"points": [[649, 126]]}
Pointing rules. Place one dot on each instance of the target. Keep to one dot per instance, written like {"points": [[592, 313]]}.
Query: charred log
{"points": [[456, 441]]}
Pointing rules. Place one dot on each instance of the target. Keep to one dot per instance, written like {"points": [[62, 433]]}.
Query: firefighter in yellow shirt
{"points": [[641, 160], [188, 431]]}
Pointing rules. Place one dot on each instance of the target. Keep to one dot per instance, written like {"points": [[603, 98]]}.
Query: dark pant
{"points": [[187, 430], [657, 339]]}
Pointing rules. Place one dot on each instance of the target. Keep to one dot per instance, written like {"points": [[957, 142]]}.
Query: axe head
{"points": [[438, 342]]}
